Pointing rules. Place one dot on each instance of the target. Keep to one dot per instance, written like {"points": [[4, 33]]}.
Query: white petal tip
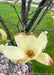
{"points": [[45, 32]]}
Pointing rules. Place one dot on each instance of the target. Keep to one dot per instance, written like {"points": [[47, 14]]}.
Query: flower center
{"points": [[30, 53]]}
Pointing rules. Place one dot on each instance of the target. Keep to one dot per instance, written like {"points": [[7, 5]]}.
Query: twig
{"points": [[46, 10], [17, 13], [43, 18], [37, 9], [15, 10], [28, 8], [11, 21], [44, 29], [17, 16], [15, 24], [31, 13], [6, 29], [47, 17], [18, 27]]}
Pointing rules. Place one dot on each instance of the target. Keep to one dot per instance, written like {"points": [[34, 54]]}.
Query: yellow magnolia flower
{"points": [[29, 48], [52, 15], [3, 35]]}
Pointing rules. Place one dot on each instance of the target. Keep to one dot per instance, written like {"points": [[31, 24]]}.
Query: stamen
{"points": [[30, 54]]}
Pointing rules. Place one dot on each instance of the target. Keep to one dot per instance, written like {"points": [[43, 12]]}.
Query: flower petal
{"points": [[22, 61], [32, 40], [3, 34], [13, 53], [45, 59], [33, 35], [40, 43], [22, 41], [1, 48]]}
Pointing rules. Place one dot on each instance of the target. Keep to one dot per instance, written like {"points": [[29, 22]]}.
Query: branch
{"points": [[28, 8], [37, 12], [23, 11], [6, 29], [44, 13]]}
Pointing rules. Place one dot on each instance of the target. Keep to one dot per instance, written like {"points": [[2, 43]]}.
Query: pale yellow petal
{"points": [[3, 35], [33, 35], [1, 48], [22, 41], [22, 61], [40, 43], [13, 53], [32, 40], [30, 51], [45, 59]]}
